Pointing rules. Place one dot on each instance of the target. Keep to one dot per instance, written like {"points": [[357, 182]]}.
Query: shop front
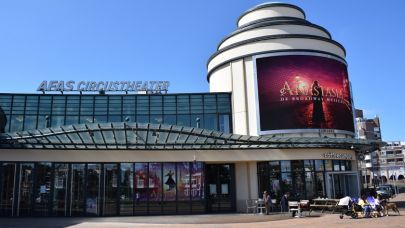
{"points": [[308, 179]]}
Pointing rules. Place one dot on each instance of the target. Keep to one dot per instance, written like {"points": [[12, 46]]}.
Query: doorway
{"points": [[220, 188], [341, 184]]}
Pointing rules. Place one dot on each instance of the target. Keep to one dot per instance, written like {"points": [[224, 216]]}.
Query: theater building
{"points": [[278, 117]]}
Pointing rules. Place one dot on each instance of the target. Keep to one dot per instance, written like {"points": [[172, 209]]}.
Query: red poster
{"points": [[303, 92]]}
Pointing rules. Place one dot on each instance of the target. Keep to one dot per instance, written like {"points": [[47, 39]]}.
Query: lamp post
{"points": [[395, 183], [48, 122]]}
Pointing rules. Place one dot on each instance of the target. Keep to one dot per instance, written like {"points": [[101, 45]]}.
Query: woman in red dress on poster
{"points": [[318, 115]]}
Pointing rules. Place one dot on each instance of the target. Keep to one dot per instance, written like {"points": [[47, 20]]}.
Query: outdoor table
{"points": [[324, 204], [260, 206]]}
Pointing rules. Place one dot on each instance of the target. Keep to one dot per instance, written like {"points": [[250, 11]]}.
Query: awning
{"points": [[145, 136]]}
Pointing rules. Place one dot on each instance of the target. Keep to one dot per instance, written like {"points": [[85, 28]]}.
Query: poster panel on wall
{"points": [[169, 181], [303, 91]]}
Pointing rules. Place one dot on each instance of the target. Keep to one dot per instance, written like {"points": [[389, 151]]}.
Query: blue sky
{"points": [[172, 40]]}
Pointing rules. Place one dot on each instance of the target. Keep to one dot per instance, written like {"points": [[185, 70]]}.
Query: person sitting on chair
{"points": [[366, 207]]}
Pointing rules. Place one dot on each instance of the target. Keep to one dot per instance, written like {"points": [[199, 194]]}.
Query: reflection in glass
{"points": [[93, 189], [328, 165], [183, 181], [169, 119], [298, 185], [114, 118], [57, 121], [275, 189], [224, 123], [286, 182], [30, 122], [156, 119], [110, 189], [263, 176], [336, 165], [70, 120], [155, 188], [310, 185], [142, 118], [197, 181], [141, 188], [348, 165], [16, 123], [184, 120], [309, 165], [42, 189], [197, 186], [7, 178], [60, 190], [100, 119], [297, 165], [285, 166], [127, 189], [320, 187], [77, 192], [319, 165], [86, 119], [183, 187], [26, 186], [197, 119], [274, 166]]}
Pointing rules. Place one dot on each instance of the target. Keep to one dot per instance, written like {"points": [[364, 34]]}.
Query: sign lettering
{"points": [[107, 86]]}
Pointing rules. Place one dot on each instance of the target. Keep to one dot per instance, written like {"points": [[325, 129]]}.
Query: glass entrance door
{"points": [[220, 187], [7, 182], [25, 195], [42, 189], [341, 184], [93, 189], [60, 190]]}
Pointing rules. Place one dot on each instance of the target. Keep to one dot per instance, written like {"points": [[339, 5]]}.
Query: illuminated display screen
{"points": [[303, 92]]}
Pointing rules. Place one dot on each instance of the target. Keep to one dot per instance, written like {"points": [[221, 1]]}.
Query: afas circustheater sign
{"points": [[107, 86]]}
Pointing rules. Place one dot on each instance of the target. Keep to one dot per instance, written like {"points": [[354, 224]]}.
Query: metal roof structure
{"points": [[145, 136]]}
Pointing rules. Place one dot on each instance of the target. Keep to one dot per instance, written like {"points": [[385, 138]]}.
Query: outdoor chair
{"points": [[260, 207], [251, 205], [293, 206], [304, 205], [273, 205]]}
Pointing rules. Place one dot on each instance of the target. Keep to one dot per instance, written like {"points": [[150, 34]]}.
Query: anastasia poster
{"points": [[303, 92]]}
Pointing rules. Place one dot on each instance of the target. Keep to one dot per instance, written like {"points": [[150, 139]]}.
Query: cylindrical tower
{"points": [[287, 76]]}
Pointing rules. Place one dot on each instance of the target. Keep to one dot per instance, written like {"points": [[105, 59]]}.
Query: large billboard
{"points": [[303, 91]]}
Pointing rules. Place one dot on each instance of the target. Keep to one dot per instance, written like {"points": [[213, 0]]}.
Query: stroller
{"points": [[349, 207]]}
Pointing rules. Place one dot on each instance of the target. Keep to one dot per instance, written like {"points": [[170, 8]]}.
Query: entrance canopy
{"points": [[145, 136]]}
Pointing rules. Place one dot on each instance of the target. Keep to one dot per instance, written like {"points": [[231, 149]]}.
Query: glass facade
{"points": [[303, 179], [31, 111], [101, 189]]}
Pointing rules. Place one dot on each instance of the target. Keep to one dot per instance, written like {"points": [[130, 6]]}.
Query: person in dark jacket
{"points": [[284, 202]]}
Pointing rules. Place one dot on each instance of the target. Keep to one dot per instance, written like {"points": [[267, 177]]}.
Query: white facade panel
{"points": [[221, 79], [273, 30], [270, 12], [272, 46]]}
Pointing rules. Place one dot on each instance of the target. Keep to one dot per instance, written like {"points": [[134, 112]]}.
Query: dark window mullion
{"points": [[11, 112], [118, 193], [24, 112], [50, 200]]}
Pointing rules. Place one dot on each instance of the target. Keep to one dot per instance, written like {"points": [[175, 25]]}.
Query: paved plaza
{"points": [[218, 220]]}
